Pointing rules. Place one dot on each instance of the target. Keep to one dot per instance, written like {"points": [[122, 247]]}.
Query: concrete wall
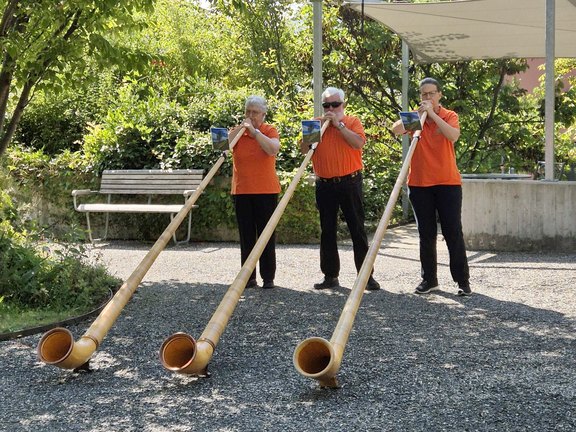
{"points": [[519, 215]]}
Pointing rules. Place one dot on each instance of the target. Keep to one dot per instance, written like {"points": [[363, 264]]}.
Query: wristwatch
{"points": [[341, 126]]}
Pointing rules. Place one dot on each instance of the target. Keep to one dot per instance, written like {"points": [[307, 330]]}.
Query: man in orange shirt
{"points": [[337, 163], [435, 188], [255, 185]]}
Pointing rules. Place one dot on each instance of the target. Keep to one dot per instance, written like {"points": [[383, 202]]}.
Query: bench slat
{"points": [[160, 185], [155, 191], [154, 171], [191, 177], [130, 208], [164, 180]]}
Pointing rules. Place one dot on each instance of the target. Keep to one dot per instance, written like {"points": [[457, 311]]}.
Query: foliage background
{"points": [[146, 95]]}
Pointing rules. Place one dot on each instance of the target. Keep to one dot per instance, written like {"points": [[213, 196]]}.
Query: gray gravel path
{"points": [[501, 360]]}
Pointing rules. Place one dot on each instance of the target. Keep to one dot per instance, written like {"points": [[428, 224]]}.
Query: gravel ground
{"points": [[501, 360]]}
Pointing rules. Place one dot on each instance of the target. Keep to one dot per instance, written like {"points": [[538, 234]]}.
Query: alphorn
{"points": [[57, 346], [320, 359], [183, 354]]}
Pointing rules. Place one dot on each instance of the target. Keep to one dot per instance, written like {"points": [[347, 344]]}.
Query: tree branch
{"points": [[16, 115], [8, 17]]}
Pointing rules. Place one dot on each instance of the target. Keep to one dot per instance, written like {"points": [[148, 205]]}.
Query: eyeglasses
{"points": [[428, 94], [331, 104]]}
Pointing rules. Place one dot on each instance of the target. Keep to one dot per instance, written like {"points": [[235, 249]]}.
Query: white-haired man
{"points": [[337, 163]]}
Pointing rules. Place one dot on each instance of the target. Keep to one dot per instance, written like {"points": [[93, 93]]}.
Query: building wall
{"points": [[530, 78]]}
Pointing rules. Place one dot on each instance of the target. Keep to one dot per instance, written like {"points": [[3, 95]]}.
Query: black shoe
{"points": [[372, 285], [425, 287], [252, 283], [267, 284], [328, 282], [464, 289]]}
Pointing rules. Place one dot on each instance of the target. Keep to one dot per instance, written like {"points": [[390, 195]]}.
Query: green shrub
{"points": [[58, 121], [300, 222], [156, 131], [147, 128], [47, 275], [51, 128]]}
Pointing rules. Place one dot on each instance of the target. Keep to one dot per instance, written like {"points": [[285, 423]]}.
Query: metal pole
{"points": [[549, 91], [317, 57], [405, 138]]}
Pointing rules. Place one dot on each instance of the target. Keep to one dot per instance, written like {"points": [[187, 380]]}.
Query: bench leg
{"points": [[89, 227], [106, 226], [189, 229], [92, 239]]}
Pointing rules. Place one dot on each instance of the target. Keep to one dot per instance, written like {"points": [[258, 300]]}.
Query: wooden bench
{"points": [[149, 183]]}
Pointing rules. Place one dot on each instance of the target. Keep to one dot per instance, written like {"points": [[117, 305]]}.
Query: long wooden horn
{"points": [[320, 359], [182, 353], [57, 346]]}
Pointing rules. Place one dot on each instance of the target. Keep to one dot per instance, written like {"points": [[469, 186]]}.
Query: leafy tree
{"points": [[500, 122], [270, 29], [44, 45]]}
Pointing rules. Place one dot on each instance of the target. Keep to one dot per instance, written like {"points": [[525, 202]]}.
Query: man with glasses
{"points": [[435, 189], [337, 163]]}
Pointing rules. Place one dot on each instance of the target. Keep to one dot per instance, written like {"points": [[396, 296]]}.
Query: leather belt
{"points": [[339, 179]]}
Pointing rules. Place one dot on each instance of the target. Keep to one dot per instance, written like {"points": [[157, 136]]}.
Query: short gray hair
{"points": [[258, 101], [331, 91]]}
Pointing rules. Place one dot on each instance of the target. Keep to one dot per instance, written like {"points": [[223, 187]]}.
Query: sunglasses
{"points": [[331, 104]]}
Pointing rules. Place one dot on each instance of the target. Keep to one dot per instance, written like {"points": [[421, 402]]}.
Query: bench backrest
{"points": [[150, 182]]}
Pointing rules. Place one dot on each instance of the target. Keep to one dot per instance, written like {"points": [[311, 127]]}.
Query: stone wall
{"points": [[526, 215]]}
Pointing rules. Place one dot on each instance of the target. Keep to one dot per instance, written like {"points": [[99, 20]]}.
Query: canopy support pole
{"points": [[317, 57], [550, 91], [405, 138]]}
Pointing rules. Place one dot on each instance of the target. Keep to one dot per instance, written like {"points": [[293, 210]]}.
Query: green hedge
{"points": [[147, 128], [44, 194]]}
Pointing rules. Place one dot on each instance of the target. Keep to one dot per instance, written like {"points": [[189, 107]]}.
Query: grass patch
{"points": [[13, 319]]}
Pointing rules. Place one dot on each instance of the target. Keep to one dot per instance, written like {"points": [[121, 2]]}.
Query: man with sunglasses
{"points": [[337, 163], [435, 188]]}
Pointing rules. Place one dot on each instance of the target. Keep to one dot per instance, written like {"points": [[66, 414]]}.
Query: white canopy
{"points": [[476, 29]]}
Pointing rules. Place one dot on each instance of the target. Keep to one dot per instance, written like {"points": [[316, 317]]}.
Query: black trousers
{"points": [[346, 195], [253, 211], [446, 201]]}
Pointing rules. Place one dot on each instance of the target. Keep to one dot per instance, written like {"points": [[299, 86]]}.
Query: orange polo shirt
{"points": [[434, 160], [333, 156], [254, 170]]}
